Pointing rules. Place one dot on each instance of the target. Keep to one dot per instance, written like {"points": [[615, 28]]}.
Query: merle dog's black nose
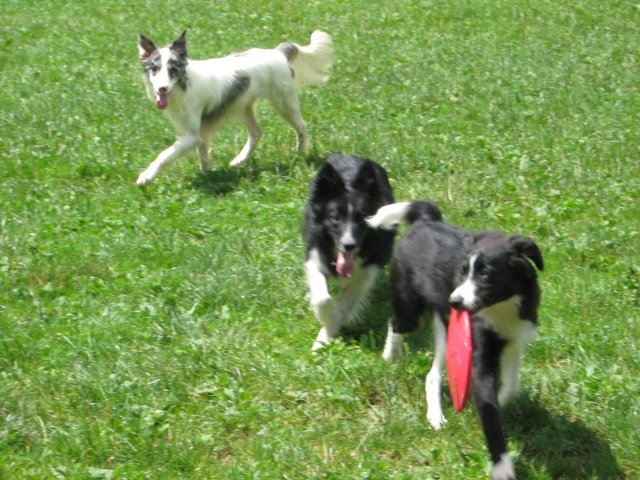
{"points": [[349, 246], [455, 302]]}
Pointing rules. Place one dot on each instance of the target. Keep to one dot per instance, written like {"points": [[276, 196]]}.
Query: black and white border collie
{"points": [[438, 266], [200, 96], [340, 243]]}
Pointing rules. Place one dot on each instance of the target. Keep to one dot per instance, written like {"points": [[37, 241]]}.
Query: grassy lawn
{"points": [[164, 332]]}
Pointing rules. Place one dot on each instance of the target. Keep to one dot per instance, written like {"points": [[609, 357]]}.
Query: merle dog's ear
{"points": [[179, 45], [145, 46], [327, 184], [527, 247]]}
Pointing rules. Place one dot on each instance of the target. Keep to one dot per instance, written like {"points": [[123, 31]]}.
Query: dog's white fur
{"points": [[270, 76], [390, 216], [504, 469], [353, 295]]}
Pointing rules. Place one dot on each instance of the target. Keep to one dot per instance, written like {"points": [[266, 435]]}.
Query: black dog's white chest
{"points": [[504, 319]]}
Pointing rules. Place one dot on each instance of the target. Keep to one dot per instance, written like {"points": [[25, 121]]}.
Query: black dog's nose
{"points": [[349, 246], [455, 301]]}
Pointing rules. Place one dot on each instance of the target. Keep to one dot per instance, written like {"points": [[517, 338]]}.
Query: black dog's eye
{"points": [[335, 213], [483, 271], [464, 268], [335, 218]]}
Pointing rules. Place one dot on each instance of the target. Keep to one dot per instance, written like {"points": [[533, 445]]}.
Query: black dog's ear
{"points": [[145, 46], [179, 45], [327, 184], [365, 180], [527, 247], [487, 235]]}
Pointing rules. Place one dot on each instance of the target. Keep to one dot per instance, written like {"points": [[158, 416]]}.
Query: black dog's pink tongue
{"points": [[345, 264], [162, 100]]}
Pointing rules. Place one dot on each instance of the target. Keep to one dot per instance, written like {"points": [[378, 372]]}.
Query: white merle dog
{"points": [[437, 266], [200, 96], [340, 243]]}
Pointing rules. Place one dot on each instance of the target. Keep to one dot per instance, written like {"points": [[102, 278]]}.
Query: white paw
{"points": [[436, 419], [504, 469], [144, 180], [392, 356], [324, 337], [318, 345], [239, 160]]}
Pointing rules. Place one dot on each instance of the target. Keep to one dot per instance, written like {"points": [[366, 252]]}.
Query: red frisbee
{"points": [[459, 357]]}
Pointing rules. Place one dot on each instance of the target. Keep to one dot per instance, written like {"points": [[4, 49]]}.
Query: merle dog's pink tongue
{"points": [[162, 100], [345, 264]]}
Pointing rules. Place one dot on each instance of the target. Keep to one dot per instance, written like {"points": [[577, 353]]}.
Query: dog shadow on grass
{"points": [[563, 447], [225, 180]]}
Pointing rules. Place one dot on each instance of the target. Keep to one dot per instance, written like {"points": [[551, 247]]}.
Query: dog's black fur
{"points": [[346, 190], [437, 266], [426, 257]]}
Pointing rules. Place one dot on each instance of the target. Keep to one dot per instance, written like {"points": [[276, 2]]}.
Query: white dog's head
{"points": [[164, 68]]}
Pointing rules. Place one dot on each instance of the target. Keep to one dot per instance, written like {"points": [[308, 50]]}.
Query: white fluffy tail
{"points": [[390, 216], [311, 64]]}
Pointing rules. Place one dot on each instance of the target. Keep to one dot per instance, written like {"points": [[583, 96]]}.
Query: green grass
{"points": [[164, 333]]}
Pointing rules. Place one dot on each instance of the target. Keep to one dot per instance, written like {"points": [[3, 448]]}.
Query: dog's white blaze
{"points": [[162, 79], [467, 289], [347, 237], [388, 216], [504, 469]]}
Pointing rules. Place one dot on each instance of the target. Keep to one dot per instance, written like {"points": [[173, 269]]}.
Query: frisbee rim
{"points": [[459, 357]]}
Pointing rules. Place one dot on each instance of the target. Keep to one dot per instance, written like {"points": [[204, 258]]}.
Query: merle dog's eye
{"points": [[173, 71], [464, 268]]}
